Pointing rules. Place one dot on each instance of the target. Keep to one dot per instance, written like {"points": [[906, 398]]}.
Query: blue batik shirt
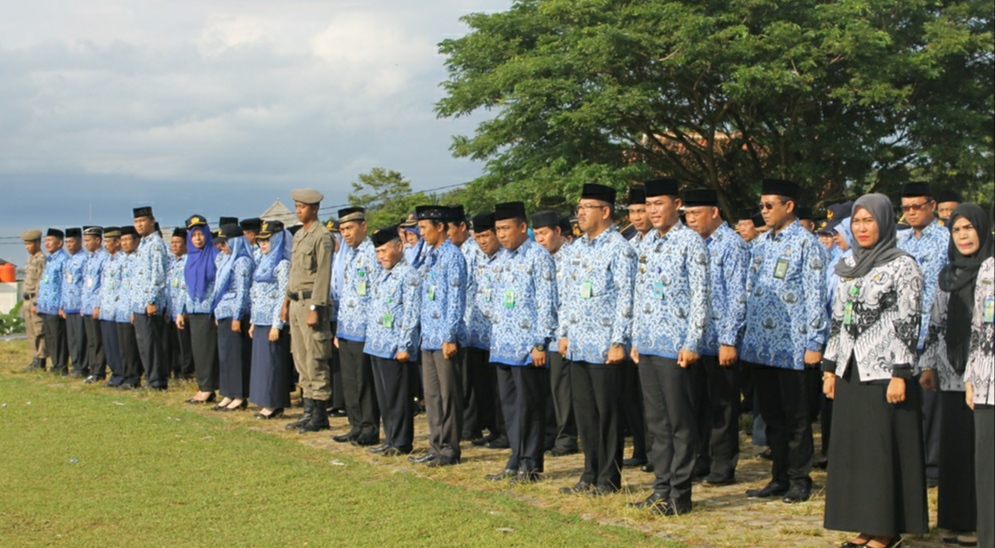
{"points": [[148, 286], [360, 270], [267, 297], [72, 283], [236, 303], [480, 285], [50, 287], [786, 308], [110, 286], [522, 304], [728, 262], [126, 295], [596, 311], [92, 282], [443, 297], [176, 294], [930, 251], [393, 312], [671, 293], [560, 258], [205, 304]]}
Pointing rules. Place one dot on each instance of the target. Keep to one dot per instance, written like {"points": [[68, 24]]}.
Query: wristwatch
{"points": [[617, 345], [540, 347], [313, 308]]}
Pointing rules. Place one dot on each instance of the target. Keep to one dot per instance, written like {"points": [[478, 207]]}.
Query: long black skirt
{"points": [[269, 384], [204, 347], [235, 356], [876, 481], [984, 457], [957, 508]]}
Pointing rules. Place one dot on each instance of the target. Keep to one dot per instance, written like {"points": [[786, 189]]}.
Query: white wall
{"points": [[9, 295]]}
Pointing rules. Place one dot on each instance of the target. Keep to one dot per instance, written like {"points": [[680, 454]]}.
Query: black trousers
{"points": [[932, 422], [112, 350], [391, 380], [131, 360], [204, 350], [359, 390], [335, 366], [984, 456], [76, 339], [523, 400], [716, 402], [179, 354], [632, 408], [235, 358], [478, 413], [956, 499], [667, 397], [54, 329], [150, 333], [784, 407], [596, 403], [561, 424], [94, 347]]}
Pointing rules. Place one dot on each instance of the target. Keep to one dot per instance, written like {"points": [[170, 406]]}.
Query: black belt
{"points": [[299, 296]]}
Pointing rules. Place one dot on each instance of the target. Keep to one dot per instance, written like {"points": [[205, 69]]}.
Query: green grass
{"points": [[99, 468]]}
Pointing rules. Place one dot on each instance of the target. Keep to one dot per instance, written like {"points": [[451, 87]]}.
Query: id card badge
{"points": [[431, 292], [586, 289], [89, 282], [361, 288], [176, 283], [509, 299], [658, 291], [781, 269], [487, 294], [989, 315], [848, 313], [388, 321]]}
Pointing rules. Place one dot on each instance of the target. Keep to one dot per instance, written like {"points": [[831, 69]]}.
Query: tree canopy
{"points": [[386, 195]]}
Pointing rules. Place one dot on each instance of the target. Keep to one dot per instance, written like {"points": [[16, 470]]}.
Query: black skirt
{"points": [[269, 382], [957, 508], [876, 482]]}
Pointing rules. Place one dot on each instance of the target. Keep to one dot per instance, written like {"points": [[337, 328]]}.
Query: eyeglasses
{"points": [[769, 205], [582, 207], [914, 207]]}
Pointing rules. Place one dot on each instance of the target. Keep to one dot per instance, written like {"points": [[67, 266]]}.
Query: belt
{"points": [[299, 295]]}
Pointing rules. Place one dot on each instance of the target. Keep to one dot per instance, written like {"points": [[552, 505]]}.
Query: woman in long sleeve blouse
{"points": [[269, 385], [196, 313], [232, 305], [876, 481], [979, 384]]}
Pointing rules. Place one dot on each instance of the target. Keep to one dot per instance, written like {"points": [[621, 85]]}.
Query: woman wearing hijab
{"points": [[876, 483], [197, 313], [231, 310], [944, 360], [269, 385]]}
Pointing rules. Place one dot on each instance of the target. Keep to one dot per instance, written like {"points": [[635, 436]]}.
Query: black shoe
{"points": [[561, 452], [394, 452], [655, 499], [716, 480], [92, 379], [366, 441], [484, 440], [76, 375], [60, 372], [932, 483], [678, 508], [525, 476], [35, 365], [648, 468], [442, 461], [500, 442], [602, 490], [337, 413], [319, 419], [701, 469], [770, 490], [422, 459], [502, 475], [766, 454], [580, 487], [378, 450], [346, 438], [797, 494], [239, 407], [633, 462], [195, 401], [276, 413], [305, 417], [112, 384], [471, 435], [821, 464], [126, 386]]}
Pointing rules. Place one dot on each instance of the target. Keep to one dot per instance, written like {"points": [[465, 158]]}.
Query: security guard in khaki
{"points": [[308, 308], [32, 276]]}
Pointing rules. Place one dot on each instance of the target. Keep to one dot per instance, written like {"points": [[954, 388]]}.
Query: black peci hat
{"points": [[780, 187], [593, 191], [253, 224], [179, 232], [56, 233], [914, 190], [74, 233], [804, 213], [637, 195], [227, 221], [545, 219], [385, 235], [949, 196], [432, 212], [483, 222], [664, 186], [129, 230], [144, 211], [698, 197], [509, 210]]}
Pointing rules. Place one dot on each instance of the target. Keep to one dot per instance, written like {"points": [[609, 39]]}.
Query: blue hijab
{"points": [[239, 247], [200, 270], [279, 250]]}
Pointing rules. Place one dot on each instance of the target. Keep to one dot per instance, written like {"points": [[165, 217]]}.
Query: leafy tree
{"points": [[386, 195]]}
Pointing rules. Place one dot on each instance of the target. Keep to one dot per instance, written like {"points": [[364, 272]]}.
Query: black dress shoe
{"points": [[797, 494], [422, 459], [239, 407], [366, 441], [92, 379], [715, 480], [502, 475], [648, 467], [770, 490], [276, 413], [394, 452], [112, 384], [580, 487], [655, 499], [766, 454], [633, 462], [35, 365], [562, 452], [194, 401], [501, 442], [525, 476], [442, 461], [336, 412], [679, 507], [378, 450], [484, 440], [821, 464], [347, 437], [602, 490]]}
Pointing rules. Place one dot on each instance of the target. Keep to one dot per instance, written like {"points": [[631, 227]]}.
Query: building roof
{"points": [[279, 212]]}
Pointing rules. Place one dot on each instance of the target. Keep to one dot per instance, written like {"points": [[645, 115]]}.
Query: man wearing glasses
{"points": [[927, 242]]}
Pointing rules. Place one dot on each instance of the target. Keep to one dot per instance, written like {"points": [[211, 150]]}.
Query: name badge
{"points": [[361, 288], [431, 292], [781, 269], [509, 299], [89, 282], [658, 291], [176, 283], [989, 315], [586, 289], [848, 313], [388, 321]]}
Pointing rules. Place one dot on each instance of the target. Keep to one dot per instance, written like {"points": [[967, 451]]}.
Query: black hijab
{"points": [[958, 278], [886, 248]]}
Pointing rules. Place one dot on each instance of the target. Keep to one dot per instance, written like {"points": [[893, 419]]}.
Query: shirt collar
{"points": [[600, 238], [788, 231]]}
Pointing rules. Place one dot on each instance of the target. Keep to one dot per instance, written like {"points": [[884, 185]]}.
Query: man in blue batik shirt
{"points": [[179, 352], [595, 322], [90, 307], [49, 301], [360, 270], [131, 359], [670, 317], [786, 329], [443, 332], [109, 302], [633, 412], [149, 298], [717, 379], [72, 301]]}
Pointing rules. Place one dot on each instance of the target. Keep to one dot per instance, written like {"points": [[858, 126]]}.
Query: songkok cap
{"points": [[55, 233], [545, 219], [268, 229], [332, 225], [914, 190], [195, 221], [410, 220], [385, 235], [483, 222], [432, 212], [948, 196], [179, 232], [227, 221], [593, 191], [566, 227], [665, 186], [637, 195], [308, 196], [758, 221], [509, 210], [229, 231], [74, 233], [129, 230], [698, 197], [780, 187], [804, 212], [112, 232], [93, 231], [253, 224], [457, 214], [746, 214], [352, 214], [144, 211], [31, 235]]}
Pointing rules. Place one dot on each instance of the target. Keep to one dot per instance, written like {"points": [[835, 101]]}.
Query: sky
{"points": [[216, 107]]}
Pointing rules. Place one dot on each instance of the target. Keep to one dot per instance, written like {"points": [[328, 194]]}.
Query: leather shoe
{"points": [[633, 462], [338, 413], [580, 487], [378, 450], [772, 489], [601, 490], [502, 475], [500, 442], [274, 414], [346, 438], [797, 494], [525, 477], [715, 480], [430, 456], [561, 452], [484, 440], [655, 499], [648, 467], [92, 379], [441, 461], [35, 365], [365, 441], [394, 452], [679, 508]]}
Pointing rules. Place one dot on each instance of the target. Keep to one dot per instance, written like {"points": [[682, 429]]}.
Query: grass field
{"points": [[87, 466]]}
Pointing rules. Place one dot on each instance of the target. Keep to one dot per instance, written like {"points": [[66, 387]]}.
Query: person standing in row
{"points": [[633, 408], [71, 301], [196, 314], [149, 298], [50, 301], [595, 322], [131, 359], [471, 365], [108, 304], [442, 334], [33, 324], [269, 381], [360, 270], [671, 314], [979, 384], [717, 379], [179, 354], [392, 339], [232, 305], [786, 329], [876, 483], [480, 269], [250, 230], [90, 302]]}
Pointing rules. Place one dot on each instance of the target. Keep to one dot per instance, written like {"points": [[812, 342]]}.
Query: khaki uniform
{"points": [[309, 284], [32, 321]]}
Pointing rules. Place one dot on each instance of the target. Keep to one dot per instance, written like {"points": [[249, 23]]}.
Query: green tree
{"points": [[386, 195], [843, 96]]}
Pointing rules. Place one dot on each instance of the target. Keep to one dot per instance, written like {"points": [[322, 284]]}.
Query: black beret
{"points": [[665, 186], [948, 196], [385, 235], [804, 212], [914, 190], [780, 187], [545, 219], [144, 211], [196, 220], [179, 232], [74, 233], [432, 212], [227, 221], [509, 210], [230, 231], [253, 224], [637, 195], [294, 229], [483, 222], [55, 233], [457, 214], [129, 230], [701, 197], [350, 214], [93, 231], [112, 232], [593, 191]]}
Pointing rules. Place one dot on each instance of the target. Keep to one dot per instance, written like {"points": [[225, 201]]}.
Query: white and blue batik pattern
{"points": [[205, 304], [596, 311], [671, 293], [110, 286], [148, 286], [236, 303], [126, 294], [786, 311], [522, 304], [393, 313], [50, 287], [443, 300], [980, 370], [92, 282], [72, 283], [360, 270], [930, 251], [482, 278], [561, 260], [267, 297], [728, 262], [473, 256], [934, 352], [176, 292]]}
